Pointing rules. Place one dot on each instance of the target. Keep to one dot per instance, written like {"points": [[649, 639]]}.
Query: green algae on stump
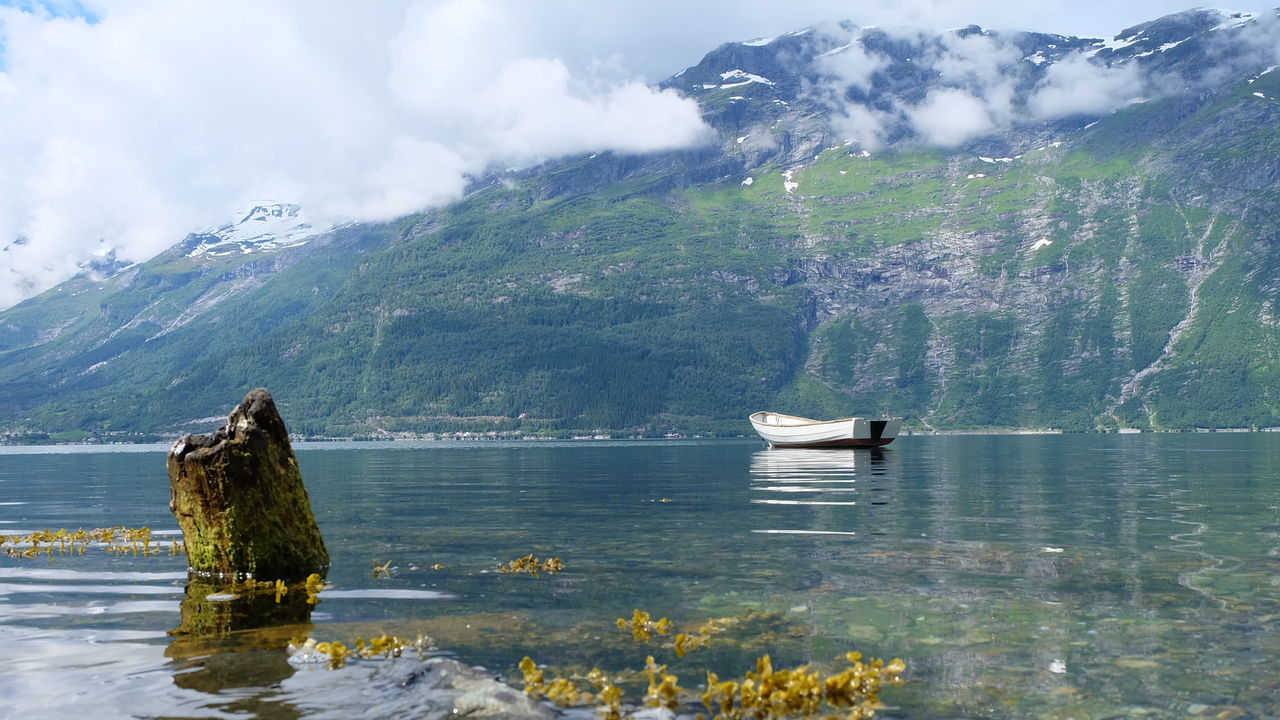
{"points": [[238, 497]]}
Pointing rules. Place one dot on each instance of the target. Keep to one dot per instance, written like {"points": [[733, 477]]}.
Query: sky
{"points": [[126, 124]]}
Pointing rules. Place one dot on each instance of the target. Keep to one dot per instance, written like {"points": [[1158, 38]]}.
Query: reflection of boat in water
{"points": [[831, 483], [802, 464], [789, 431], [800, 476]]}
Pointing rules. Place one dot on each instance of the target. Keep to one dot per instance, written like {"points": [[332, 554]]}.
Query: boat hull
{"points": [[789, 431]]}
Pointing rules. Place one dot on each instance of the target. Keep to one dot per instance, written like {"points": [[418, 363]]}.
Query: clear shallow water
{"points": [[1019, 577]]}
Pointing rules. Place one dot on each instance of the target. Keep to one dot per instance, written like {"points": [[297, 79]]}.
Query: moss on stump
{"points": [[238, 497]]}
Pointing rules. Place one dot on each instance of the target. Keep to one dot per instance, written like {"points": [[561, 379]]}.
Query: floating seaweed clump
{"points": [[769, 694], [701, 637], [118, 540], [304, 651], [280, 589], [566, 693], [664, 689], [313, 585], [248, 586], [643, 626], [766, 694], [532, 566]]}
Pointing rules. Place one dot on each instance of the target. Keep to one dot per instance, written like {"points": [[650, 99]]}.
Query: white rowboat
{"points": [[790, 431]]}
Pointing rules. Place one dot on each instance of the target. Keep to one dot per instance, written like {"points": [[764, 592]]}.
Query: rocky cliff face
{"points": [[1089, 251], [970, 229]]}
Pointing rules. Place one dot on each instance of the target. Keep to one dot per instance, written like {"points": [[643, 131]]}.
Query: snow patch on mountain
{"points": [[743, 78], [1260, 75], [1231, 19], [260, 227], [1117, 43]]}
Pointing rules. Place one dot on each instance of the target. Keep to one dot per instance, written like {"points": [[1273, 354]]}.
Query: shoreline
{"points": [[463, 436]]}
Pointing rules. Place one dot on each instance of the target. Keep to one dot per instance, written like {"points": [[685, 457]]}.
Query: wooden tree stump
{"points": [[238, 497]]}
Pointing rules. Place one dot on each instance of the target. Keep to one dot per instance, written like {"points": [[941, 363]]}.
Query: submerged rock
{"points": [[470, 692], [432, 689]]}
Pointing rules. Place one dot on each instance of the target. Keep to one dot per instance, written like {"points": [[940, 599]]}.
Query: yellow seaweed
{"points": [[663, 688], [380, 646], [769, 694], [117, 540], [565, 693], [643, 626], [531, 565], [766, 693], [313, 585]]}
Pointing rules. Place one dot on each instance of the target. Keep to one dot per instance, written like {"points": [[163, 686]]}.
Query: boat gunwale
{"points": [[804, 421]]}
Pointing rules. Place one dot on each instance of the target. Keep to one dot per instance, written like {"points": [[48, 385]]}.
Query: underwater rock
{"points": [[238, 496], [465, 691], [652, 713]]}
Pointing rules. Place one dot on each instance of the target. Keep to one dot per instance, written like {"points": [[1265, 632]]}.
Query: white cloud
{"points": [[949, 117], [985, 67], [164, 117], [852, 65], [860, 124], [973, 59], [416, 173], [977, 80], [1074, 86], [1254, 46]]}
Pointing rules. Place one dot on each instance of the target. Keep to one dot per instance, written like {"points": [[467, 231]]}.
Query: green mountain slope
{"points": [[1124, 274]]}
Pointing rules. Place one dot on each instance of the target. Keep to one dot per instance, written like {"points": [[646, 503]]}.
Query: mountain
{"points": [[969, 229]]}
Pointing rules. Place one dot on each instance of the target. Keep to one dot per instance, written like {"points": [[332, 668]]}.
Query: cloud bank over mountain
{"points": [[979, 83], [163, 118], [125, 124]]}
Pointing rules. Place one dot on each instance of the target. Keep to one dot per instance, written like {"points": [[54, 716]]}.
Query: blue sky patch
{"points": [[54, 8]]}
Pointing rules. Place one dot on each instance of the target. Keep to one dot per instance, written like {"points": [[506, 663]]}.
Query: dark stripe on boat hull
{"points": [[843, 443]]}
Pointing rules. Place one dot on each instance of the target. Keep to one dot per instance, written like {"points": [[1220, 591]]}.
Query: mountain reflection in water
{"points": [[1019, 577]]}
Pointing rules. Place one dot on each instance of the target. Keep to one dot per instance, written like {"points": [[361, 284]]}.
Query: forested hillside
{"points": [[1087, 271]]}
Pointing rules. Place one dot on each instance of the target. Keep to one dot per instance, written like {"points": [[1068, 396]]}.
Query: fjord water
{"points": [[1018, 576]]}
